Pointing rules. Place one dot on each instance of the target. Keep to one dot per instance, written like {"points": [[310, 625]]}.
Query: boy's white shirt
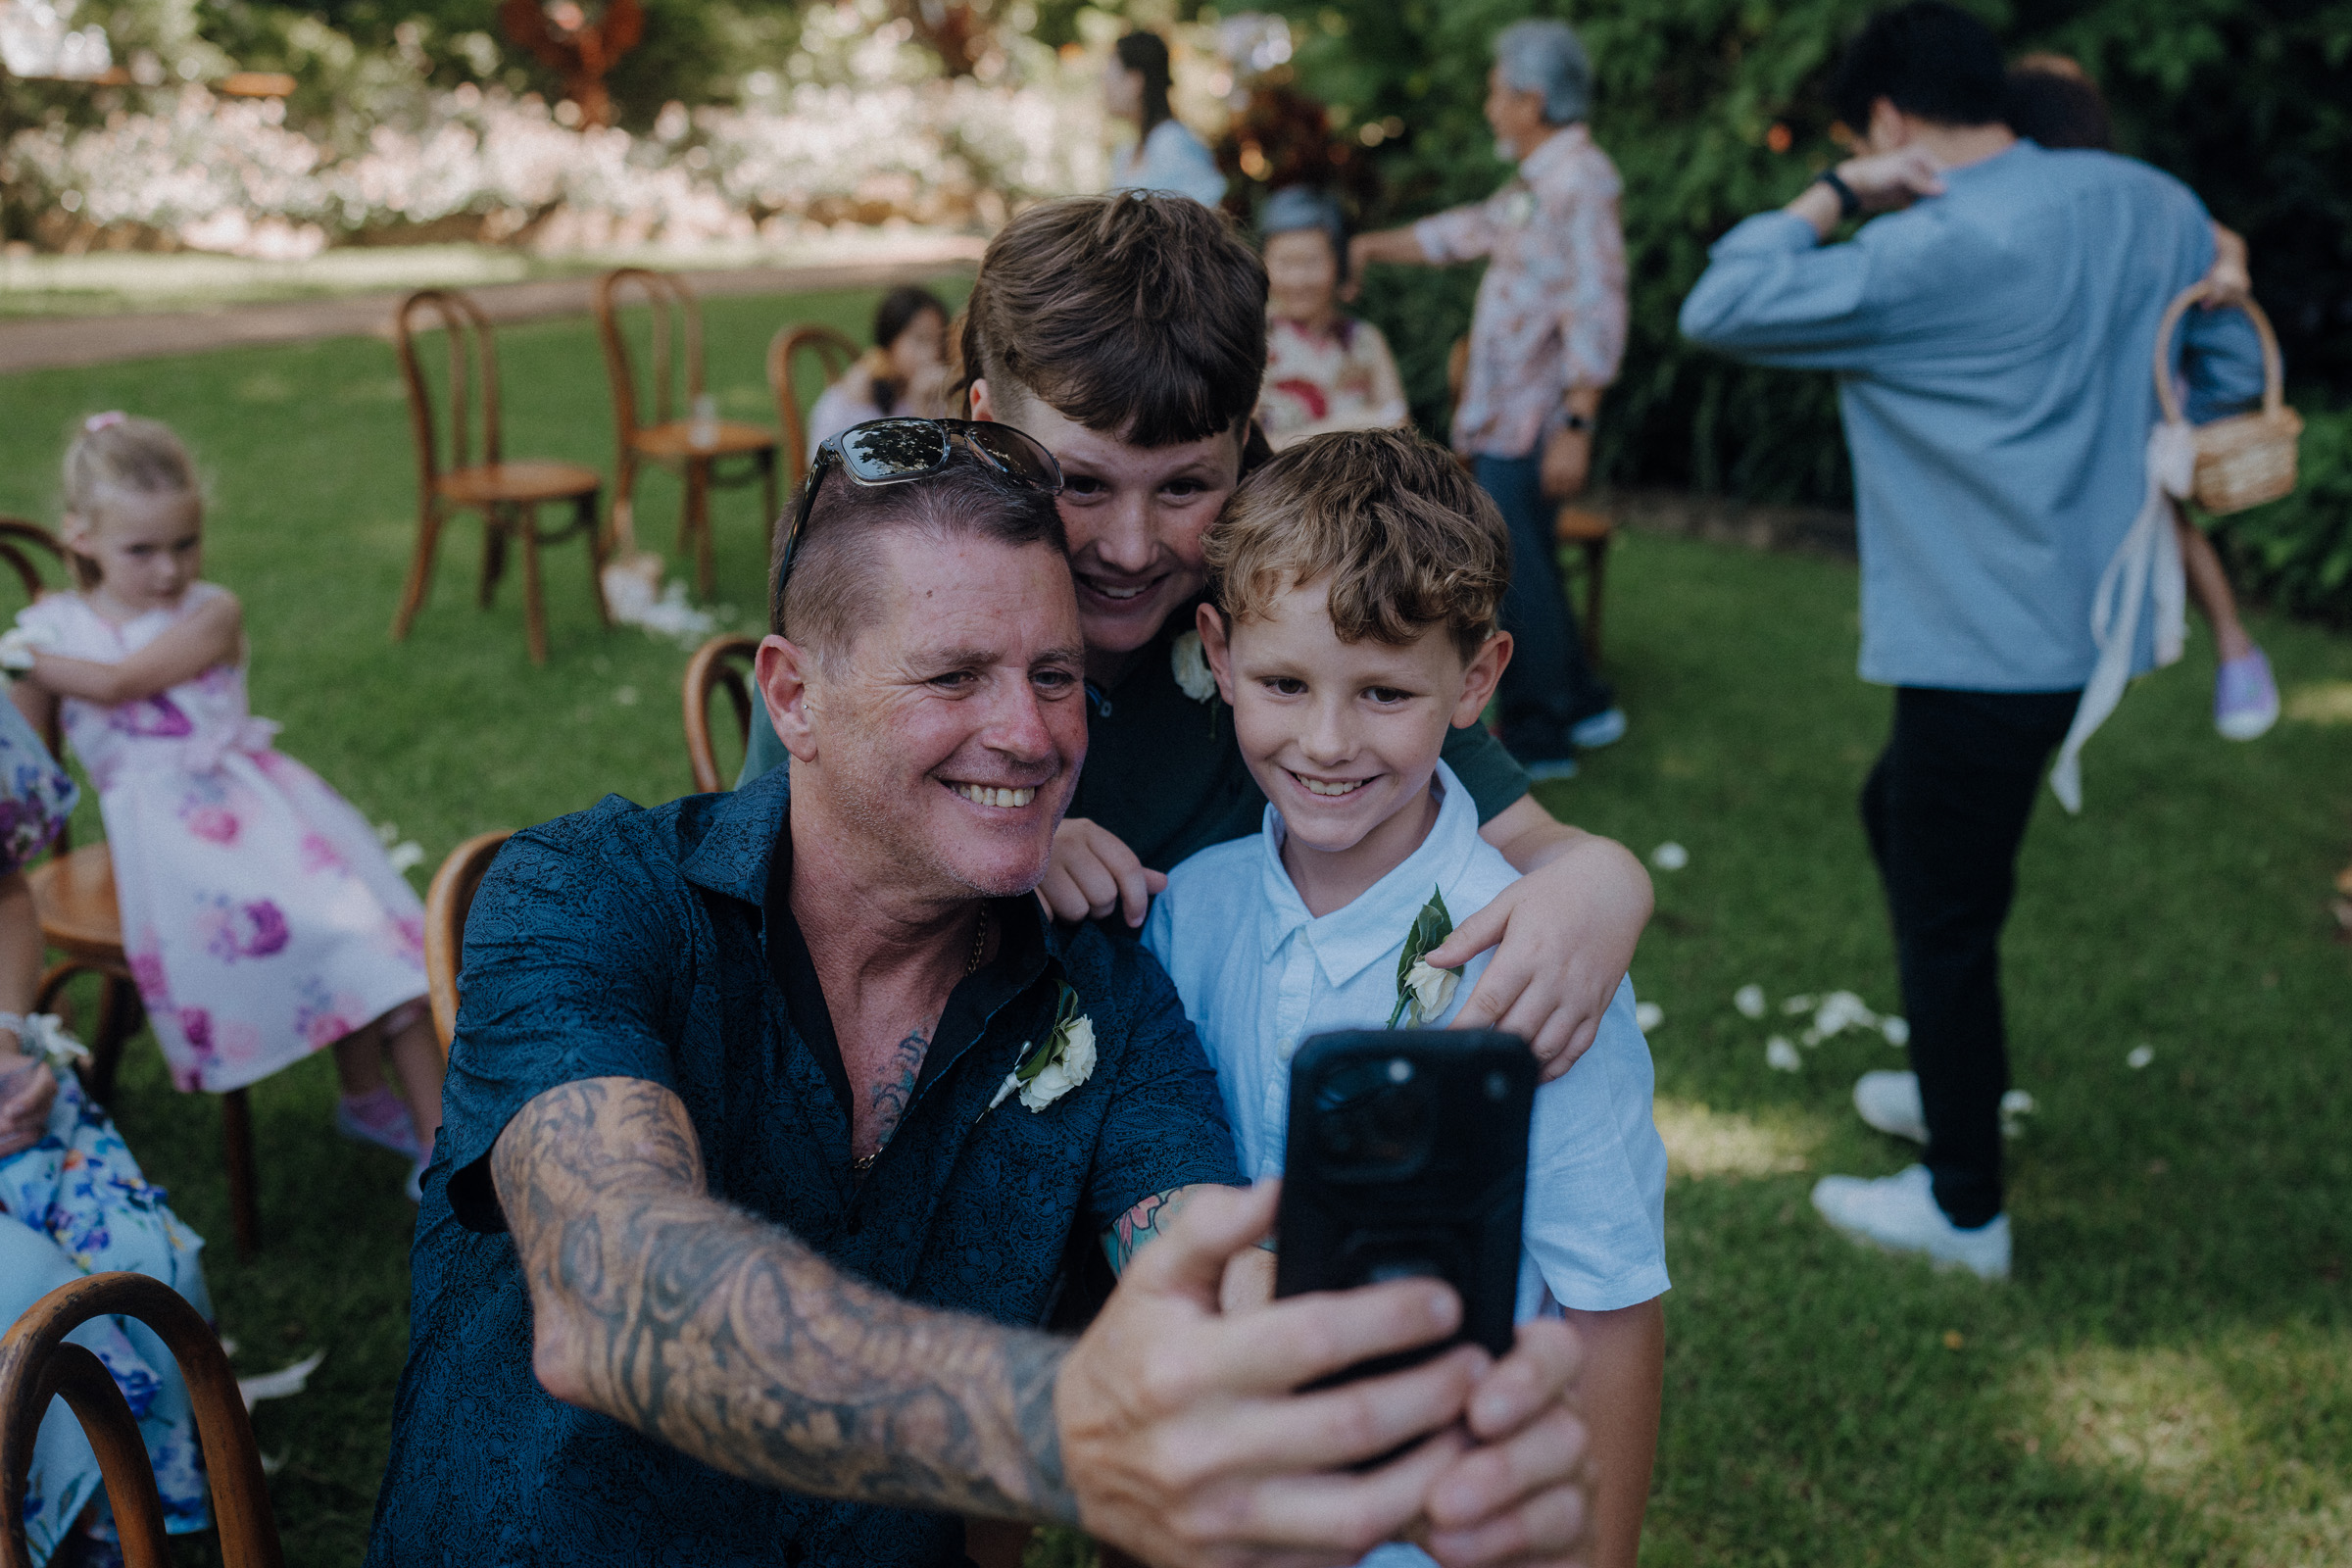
{"points": [[1259, 975]]}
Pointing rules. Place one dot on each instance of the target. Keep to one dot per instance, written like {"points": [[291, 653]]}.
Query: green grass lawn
{"points": [[2163, 1382]]}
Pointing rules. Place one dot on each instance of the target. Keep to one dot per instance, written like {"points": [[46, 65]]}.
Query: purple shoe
{"points": [[379, 1117], [2245, 700]]}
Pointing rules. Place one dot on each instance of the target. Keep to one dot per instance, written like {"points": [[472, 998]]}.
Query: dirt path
{"points": [[39, 343]]}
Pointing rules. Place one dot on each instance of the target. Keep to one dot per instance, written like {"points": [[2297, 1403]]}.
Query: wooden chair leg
{"points": [[697, 521], [1597, 561], [236, 1148], [624, 498], [119, 1015], [534, 609], [420, 569], [597, 551], [496, 525]]}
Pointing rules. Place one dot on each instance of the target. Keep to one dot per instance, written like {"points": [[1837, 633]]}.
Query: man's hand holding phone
{"points": [[1184, 1442]]}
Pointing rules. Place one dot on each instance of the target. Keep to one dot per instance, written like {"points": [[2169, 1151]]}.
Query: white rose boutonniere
{"points": [[1423, 991], [1064, 1061], [1189, 663]]}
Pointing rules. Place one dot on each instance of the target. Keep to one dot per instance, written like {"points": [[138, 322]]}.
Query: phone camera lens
{"points": [[1401, 1071]]}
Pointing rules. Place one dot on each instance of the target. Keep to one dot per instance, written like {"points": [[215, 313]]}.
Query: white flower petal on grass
{"points": [[1670, 857], [281, 1383], [404, 854], [1840, 1010], [2139, 1056], [387, 834], [1797, 1005], [2016, 1103], [626, 696], [1648, 1015], [1780, 1056], [1749, 1000], [1896, 1030], [273, 1463]]}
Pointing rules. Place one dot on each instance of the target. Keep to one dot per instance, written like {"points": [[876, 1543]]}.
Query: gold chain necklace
{"points": [[971, 967]]}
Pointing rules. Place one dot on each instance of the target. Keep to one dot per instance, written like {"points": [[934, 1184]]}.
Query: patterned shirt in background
{"points": [[1340, 379], [1551, 308]]}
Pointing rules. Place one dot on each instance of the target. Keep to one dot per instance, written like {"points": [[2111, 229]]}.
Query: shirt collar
{"points": [[1373, 926], [1555, 152]]}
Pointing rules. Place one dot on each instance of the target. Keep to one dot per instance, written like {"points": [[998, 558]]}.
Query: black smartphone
{"points": [[1406, 1156]]}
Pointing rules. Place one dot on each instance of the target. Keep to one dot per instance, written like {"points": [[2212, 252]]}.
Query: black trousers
{"points": [[1548, 687], [1945, 810]]}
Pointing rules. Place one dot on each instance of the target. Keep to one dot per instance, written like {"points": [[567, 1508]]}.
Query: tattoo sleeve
{"points": [[1139, 1224], [727, 1337]]}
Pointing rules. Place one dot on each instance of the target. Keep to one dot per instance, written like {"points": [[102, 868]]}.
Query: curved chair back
{"points": [[36, 1365], [723, 663], [447, 902], [835, 353], [677, 347], [473, 380]]}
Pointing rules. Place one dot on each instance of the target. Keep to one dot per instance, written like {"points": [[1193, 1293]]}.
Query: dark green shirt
{"points": [[1163, 772]]}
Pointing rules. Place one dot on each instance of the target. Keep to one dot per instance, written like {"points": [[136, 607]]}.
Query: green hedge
{"points": [[2246, 102]]}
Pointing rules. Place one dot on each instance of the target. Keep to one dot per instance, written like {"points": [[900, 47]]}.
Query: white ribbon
{"points": [[2149, 558], [249, 736]]}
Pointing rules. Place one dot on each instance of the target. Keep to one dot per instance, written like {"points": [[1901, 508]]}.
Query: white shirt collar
{"points": [[1372, 927]]}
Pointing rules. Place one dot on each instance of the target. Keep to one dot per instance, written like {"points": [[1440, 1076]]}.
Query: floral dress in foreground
{"points": [[75, 1204], [36, 796], [259, 916]]}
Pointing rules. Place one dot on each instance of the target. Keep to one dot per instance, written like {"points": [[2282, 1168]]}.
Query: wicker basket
{"points": [[2250, 458]]}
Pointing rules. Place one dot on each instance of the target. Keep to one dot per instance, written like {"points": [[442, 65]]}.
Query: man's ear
{"points": [[1890, 127], [1480, 679], [784, 672], [1210, 623]]}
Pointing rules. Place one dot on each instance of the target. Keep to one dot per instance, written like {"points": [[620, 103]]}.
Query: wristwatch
{"points": [[1848, 204], [1573, 420]]}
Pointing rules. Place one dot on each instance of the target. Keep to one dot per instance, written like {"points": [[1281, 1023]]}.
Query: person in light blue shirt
{"points": [[1165, 156], [1358, 579], [1993, 336]]}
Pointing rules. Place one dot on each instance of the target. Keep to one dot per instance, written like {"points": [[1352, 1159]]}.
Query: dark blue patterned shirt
{"points": [[630, 943]]}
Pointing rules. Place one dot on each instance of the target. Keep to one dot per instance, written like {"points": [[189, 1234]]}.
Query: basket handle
{"points": [[2274, 371]]}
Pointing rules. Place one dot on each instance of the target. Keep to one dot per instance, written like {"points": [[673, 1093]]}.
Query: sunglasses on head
{"points": [[901, 451]]}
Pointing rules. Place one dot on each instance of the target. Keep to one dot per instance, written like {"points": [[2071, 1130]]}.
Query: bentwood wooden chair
{"points": [[74, 898], [833, 352], [37, 1364], [1591, 532], [506, 493], [447, 902], [722, 665], [671, 436]]}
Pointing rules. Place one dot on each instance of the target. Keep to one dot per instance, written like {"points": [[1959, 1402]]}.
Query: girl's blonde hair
{"points": [[117, 451]]}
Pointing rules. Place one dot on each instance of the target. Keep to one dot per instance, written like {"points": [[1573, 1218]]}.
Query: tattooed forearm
{"points": [[723, 1336], [1139, 1224]]}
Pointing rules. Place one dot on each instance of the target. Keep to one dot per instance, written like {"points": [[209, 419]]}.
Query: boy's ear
{"points": [[1480, 679], [1210, 621]]}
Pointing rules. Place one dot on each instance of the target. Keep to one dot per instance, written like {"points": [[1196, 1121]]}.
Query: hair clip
{"points": [[103, 422]]}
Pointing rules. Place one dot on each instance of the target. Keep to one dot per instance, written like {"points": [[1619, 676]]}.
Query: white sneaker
{"points": [[1889, 1101], [1898, 1214]]}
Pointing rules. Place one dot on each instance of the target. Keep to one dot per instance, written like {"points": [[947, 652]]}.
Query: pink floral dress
{"points": [[259, 916]]}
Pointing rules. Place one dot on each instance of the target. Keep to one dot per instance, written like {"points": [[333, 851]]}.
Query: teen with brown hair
{"points": [[1127, 333]]}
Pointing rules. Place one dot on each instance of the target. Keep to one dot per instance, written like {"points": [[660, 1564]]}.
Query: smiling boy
{"points": [[1358, 580]]}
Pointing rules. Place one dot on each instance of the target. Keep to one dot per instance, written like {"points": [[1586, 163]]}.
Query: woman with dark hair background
{"points": [[2054, 102], [1165, 156], [905, 372]]}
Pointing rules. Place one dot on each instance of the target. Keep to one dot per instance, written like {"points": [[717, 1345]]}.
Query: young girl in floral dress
{"points": [[259, 914], [72, 1202]]}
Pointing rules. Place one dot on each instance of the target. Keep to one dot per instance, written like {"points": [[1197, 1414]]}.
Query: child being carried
{"points": [[1358, 580]]}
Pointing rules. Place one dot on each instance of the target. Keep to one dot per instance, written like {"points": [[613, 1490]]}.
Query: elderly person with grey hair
{"points": [[1545, 341], [1325, 369]]}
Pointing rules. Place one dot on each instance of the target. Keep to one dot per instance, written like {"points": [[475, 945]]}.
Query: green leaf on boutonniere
{"points": [[1422, 992]]}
